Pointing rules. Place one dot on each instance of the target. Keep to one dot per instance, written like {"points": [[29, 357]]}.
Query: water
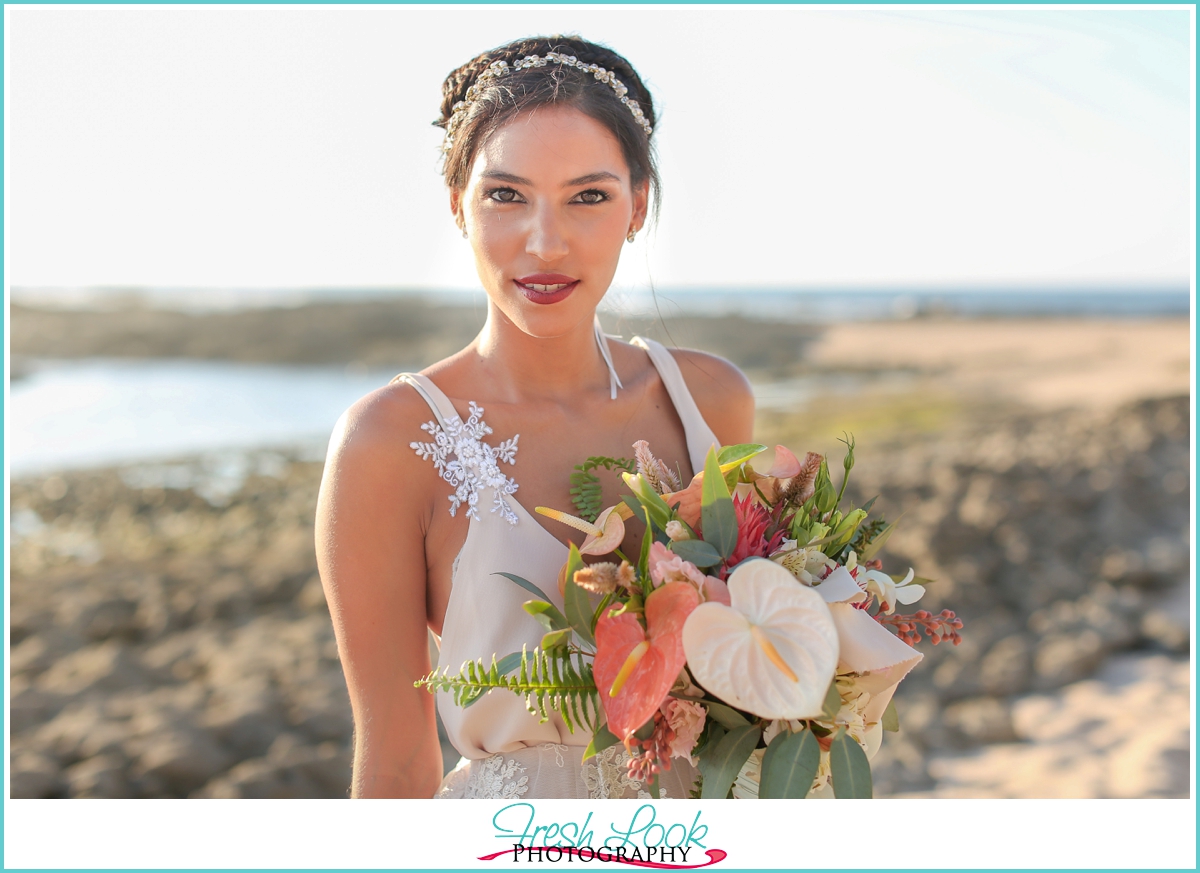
{"points": [[97, 412], [823, 305]]}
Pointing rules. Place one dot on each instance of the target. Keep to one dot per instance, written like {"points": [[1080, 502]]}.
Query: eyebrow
{"points": [[601, 176]]}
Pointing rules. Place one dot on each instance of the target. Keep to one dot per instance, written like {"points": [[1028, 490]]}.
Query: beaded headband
{"points": [[499, 69]]}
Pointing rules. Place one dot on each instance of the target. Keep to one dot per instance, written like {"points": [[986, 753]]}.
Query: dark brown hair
{"points": [[501, 99]]}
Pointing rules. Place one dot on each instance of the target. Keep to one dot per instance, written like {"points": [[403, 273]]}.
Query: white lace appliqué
{"points": [[474, 463], [606, 775], [496, 778]]}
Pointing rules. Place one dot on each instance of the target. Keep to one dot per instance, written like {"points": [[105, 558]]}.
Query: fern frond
{"points": [[585, 487], [557, 680]]}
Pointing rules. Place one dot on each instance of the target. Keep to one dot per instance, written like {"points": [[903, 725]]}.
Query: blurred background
{"points": [[965, 236]]}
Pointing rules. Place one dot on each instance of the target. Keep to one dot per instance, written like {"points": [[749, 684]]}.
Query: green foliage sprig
{"points": [[585, 487], [558, 680]]}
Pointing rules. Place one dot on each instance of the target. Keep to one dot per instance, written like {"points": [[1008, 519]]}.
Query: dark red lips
{"points": [[546, 288]]}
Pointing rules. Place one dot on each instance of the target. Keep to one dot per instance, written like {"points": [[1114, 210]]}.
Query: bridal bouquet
{"points": [[755, 634]]}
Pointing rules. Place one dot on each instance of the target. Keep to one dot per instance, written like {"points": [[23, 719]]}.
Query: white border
{"points": [[935, 834]]}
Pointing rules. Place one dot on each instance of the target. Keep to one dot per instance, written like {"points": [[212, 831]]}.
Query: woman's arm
{"points": [[372, 514], [722, 392]]}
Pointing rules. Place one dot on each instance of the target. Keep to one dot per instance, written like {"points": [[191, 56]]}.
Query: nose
{"points": [[546, 239]]}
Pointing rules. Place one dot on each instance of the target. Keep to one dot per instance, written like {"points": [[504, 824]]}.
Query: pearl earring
{"points": [[632, 236], [464, 230]]}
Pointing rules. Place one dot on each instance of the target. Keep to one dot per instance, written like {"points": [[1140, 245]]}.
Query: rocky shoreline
{"points": [[170, 637]]}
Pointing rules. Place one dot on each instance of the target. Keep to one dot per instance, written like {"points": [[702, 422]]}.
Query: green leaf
{"points": [[833, 701], [876, 544], [526, 584], [699, 552], [851, 769], [508, 663], [867, 506], [579, 611], [649, 498], [731, 458], [602, 738], [739, 454], [891, 719], [716, 509], [547, 614], [720, 766], [643, 566], [726, 716], [556, 639], [789, 766], [574, 562]]}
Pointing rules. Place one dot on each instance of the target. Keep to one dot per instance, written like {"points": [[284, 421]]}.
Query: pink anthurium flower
{"points": [[635, 667], [603, 536]]}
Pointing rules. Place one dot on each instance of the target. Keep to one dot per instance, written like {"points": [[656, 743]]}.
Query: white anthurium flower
{"points": [[869, 649], [840, 587], [772, 651], [891, 592]]}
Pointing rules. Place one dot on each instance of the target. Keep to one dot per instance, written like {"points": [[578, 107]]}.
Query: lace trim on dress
{"points": [[473, 466], [606, 775], [492, 778]]}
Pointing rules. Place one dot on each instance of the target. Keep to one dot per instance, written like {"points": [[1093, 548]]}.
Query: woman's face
{"points": [[546, 208]]}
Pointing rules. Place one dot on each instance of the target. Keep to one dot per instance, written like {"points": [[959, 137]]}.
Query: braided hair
{"points": [[500, 100]]}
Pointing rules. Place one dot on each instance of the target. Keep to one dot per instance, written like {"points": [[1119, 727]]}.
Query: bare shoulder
{"points": [[721, 391], [371, 447]]}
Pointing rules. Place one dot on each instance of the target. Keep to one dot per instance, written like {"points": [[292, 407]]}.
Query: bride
{"points": [[430, 482]]}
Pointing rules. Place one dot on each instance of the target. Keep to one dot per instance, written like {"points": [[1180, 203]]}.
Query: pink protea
{"points": [[752, 521]]}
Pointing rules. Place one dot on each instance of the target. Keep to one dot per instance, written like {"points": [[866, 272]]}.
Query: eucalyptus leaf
{"points": [[556, 639], [726, 716], [789, 766], [720, 766], [716, 509], [508, 663], [601, 740], [891, 719], [698, 552], [526, 584], [833, 701], [850, 767], [579, 612], [547, 614]]}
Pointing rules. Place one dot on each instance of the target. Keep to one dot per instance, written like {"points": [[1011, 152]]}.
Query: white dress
{"points": [[506, 752]]}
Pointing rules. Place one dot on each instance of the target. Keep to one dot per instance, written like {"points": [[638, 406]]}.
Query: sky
{"points": [[291, 147]]}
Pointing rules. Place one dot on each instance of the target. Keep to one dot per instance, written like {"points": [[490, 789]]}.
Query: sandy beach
{"points": [[170, 638]]}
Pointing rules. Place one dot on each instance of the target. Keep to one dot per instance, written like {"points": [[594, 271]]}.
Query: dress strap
{"points": [[614, 381], [438, 402], [699, 435]]}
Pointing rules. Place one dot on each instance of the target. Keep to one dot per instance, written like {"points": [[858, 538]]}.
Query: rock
{"points": [[1167, 621], [1007, 666], [101, 776], [182, 759], [1062, 658], [30, 707], [106, 667], [982, 720], [39, 651], [35, 776], [289, 770]]}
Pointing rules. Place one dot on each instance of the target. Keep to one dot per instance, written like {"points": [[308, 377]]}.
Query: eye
{"points": [[592, 195], [503, 195]]}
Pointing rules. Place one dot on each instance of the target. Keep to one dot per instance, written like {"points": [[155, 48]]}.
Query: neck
{"points": [[524, 367]]}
